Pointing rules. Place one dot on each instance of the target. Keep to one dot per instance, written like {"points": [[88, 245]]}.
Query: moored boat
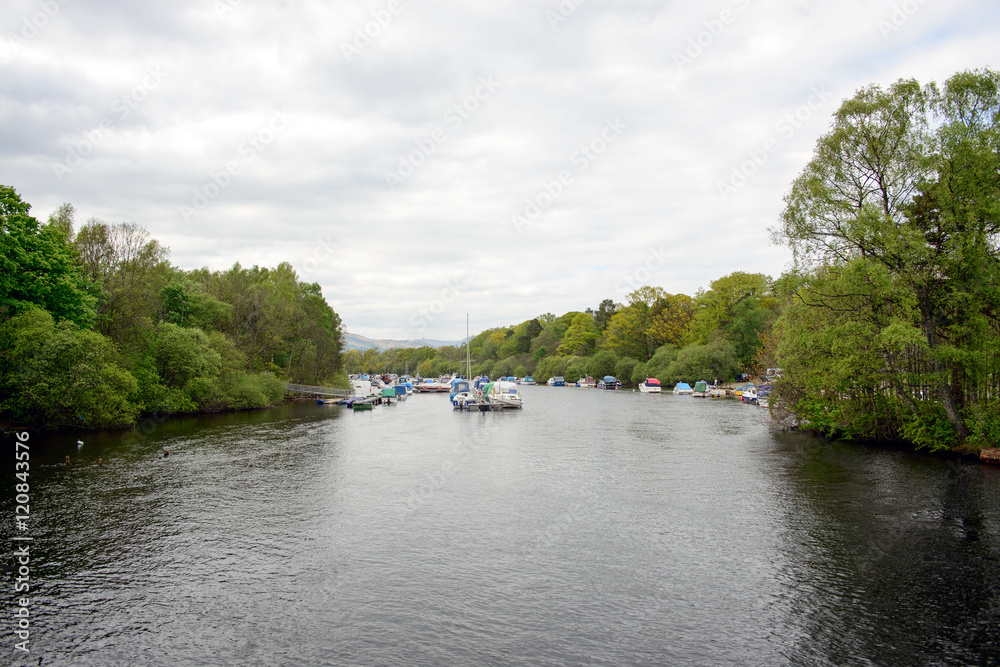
{"points": [[682, 388], [650, 386], [586, 382], [556, 381], [700, 389], [609, 382], [502, 395]]}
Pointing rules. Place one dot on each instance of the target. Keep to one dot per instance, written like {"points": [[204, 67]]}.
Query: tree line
{"points": [[887, 325], [673, 337], [98, 328]]}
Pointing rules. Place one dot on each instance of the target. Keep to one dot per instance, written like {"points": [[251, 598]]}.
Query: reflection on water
{"points": [[590, 528]]}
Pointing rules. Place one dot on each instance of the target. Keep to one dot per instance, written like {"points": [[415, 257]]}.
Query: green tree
{"points": [[581, 337], [604, 313], [904, 216], [715, 359], [38, 266], [59, 375]]}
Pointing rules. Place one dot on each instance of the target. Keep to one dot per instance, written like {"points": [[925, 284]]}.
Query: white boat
{"points": [[557, 381], [587, 382], [700, 389], [502, 394], [749, 394], [683, 388], [650, 386], [433, 386]]}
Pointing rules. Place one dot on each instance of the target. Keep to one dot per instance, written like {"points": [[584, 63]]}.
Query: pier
{"points": [[318, 391]]}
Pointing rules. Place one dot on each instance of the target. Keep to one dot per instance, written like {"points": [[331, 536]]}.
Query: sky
{"points": [[423, 161]]}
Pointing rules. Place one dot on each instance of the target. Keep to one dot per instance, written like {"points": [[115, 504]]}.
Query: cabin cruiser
{"points": [[650, 386]]}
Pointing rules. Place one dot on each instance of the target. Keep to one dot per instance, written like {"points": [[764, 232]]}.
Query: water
{"points": [[591, 528]]}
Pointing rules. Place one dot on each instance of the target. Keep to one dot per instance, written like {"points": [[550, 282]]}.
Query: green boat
{"points": [[361, 406]]}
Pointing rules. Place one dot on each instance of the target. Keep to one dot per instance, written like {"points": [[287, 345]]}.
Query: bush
{"points": [[624, 369], [577, 369], [59, 375], [639, 374], [602, 363], [696, 362]]}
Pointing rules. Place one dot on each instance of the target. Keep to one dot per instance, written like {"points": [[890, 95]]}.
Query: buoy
{"points": [[79, 443]]}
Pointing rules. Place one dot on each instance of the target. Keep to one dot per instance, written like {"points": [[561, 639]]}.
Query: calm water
{"points": [[591, 528]]}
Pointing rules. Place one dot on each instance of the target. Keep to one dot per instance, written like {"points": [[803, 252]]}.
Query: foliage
{"points": [[714, 360], [897, 217], [38, 266], [164, 339], [61, 375], [581, 337]]}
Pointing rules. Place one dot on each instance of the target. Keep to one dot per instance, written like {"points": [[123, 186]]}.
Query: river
{"points": [[589, 528]]}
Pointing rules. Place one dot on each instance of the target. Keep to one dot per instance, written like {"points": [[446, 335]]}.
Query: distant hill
{"points": [[359, 342]]}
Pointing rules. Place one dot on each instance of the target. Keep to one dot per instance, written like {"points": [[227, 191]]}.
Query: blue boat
{"points": [[459, 386]]}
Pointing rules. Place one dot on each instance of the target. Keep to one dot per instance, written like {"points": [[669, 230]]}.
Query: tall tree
{"points": [[888, 197], [38, 266]]}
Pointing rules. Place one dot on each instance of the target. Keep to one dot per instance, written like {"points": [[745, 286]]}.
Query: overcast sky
{"points": [[424, 160]]}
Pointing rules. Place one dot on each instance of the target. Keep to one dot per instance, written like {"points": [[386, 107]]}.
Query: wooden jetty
{"points": [[317, 391]]}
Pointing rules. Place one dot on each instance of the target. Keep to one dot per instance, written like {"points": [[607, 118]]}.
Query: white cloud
{"points": [[315, 193]]}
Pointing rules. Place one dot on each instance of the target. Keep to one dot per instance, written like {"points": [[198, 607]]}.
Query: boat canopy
{"points": [[682, 385], [652, 382], [701, 385], [609, 378]]}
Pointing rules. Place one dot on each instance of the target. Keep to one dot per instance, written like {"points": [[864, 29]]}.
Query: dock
{"points": [[317, 391]]}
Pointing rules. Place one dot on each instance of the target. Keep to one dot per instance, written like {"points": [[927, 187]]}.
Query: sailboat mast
{"points": [[468, 352]]}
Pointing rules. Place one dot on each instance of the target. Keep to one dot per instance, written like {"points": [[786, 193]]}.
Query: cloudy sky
{"points": [[424, 160]]}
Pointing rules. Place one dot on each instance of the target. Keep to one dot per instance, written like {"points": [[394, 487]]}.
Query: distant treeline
{"points": [[886, 328], [97, 328]]}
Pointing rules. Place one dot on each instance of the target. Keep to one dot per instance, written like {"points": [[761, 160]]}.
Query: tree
{"points": [[715, 307], [581, 337], [63, 218], [38, 266], [604, 313], [632, 328], [715, 359], [130, 269], [61, 375], [906, 218]]}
